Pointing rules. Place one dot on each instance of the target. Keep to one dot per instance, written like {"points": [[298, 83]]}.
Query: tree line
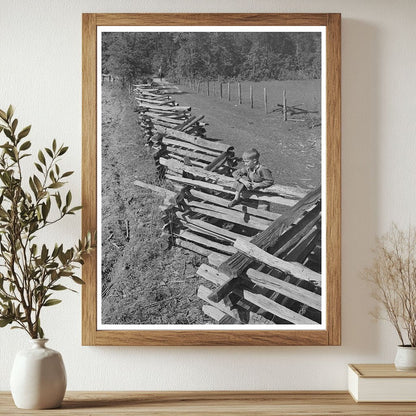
{"points": [[212, 55]]}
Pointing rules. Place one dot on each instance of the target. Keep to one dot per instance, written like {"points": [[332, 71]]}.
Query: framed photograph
{"points": [[211, 172]]}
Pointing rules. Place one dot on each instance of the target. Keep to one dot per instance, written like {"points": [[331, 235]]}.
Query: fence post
{"points": [[197, 87], [284, 106], [220, 89], [207, 87], [228, 92], [251, 96], [265, 100], [239, 93]]}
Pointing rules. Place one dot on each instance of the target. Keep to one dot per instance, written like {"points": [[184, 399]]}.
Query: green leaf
{"points": [[41, 157], [55, 251], [54, 145], [5, 321], [44, 253], [40, 332], [68, 199], [63, 151], [56, 185], [62, 257], [45, 211], [37, 183], [49, 152], [8, 133], [59, 287], [72, 210], [78, 280], [5, 297], [14, 125], [25, 145], [10, 112], [3, 115], [58, 199], [24, 133], [67, 174], [33, 187], [39, 167], [51, 302]]}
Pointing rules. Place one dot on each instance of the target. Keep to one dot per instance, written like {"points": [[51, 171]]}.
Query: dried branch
{"points": [[393, 277]]}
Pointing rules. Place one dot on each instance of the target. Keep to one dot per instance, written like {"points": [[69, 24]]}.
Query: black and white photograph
{"points": [[211, 175]]}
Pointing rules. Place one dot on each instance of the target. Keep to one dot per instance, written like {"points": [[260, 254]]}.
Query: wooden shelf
{"points": [[221, 403]]}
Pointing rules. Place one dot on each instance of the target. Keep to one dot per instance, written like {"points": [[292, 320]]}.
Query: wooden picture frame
{"points": [[331, 334]]}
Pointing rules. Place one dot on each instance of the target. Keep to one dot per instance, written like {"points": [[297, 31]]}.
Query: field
{"points": [[305, 93], [144, 282], [292, 150]]}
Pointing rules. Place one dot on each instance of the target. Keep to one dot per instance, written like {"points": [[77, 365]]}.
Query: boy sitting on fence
{"points": [[251, 177]]}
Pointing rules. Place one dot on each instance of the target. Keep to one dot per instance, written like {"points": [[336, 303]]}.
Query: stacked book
{"points": [[381, 383]]}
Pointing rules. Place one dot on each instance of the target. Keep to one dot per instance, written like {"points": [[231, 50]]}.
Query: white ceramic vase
{"points": [[405, 358], [38, 378]]}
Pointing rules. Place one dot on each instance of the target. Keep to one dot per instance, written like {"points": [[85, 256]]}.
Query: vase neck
{"points": [[38, 343]]}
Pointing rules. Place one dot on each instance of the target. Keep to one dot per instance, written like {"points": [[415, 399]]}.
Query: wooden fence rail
{"points": [[264, 263], [269, 102]]}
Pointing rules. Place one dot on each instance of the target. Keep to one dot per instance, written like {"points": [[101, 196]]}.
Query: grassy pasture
{"points": [[303, 93]]}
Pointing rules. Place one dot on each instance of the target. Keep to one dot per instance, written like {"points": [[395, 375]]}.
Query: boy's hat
{"points": [[252, 153]]}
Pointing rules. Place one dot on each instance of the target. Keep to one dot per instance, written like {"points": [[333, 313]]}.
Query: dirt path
{"points": [[143, 282]]}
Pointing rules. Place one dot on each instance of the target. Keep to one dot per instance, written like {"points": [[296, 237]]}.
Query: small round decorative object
{"points": [[38, 377], [405, 358]]}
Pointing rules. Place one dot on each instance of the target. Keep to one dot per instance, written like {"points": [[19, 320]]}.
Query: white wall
{"points": [[40, 73]]}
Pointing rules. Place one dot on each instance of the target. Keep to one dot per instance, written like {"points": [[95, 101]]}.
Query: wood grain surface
{"points": [[333, 179], [89, 173], [332, 334], [211, 19], [380, 371], [269, 403]]}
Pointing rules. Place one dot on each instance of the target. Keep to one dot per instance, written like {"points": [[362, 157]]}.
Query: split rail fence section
{"points": [[264, 254]]}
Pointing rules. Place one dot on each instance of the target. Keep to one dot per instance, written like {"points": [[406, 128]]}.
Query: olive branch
{"points": [[31, 274]]}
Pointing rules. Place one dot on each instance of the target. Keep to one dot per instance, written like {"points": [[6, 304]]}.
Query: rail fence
{"points": [[264, 255], [241, 93]]}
